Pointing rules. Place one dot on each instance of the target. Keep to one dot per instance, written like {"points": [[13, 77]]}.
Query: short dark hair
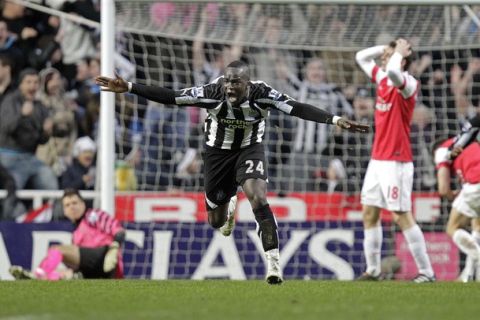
{"points": [[408, 60], [6, 60], [70, 192], [238, 64], [27, 72]]}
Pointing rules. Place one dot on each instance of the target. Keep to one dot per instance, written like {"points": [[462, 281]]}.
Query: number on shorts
{"points": [[250, 165], [393, 193]]}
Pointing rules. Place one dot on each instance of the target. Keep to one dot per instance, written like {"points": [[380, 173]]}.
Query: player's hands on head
{"points": [[403, 47], [118, 85], [353, 126]]}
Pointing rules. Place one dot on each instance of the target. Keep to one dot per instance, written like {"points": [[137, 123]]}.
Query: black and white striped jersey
{"points": [[228, 127]]}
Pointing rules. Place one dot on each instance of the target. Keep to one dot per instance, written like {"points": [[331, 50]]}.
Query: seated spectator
{"points": [[25, 124], [81, 173], [95, 252]]}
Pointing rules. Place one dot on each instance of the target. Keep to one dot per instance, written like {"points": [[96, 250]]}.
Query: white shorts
{"points": [[468, 200], [388, 185]]}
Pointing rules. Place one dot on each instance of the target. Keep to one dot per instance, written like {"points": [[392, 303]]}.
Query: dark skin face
{"points": [[236, 84]]}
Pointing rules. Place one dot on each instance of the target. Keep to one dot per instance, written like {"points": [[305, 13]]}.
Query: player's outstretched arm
{"points": [[119, 85], [308, 112]]}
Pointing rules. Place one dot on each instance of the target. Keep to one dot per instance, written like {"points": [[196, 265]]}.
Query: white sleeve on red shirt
{"points": [[406, 84], [442, 157], [365, 58]]}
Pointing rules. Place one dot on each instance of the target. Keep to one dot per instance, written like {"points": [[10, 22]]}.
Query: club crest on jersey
{"points": [[274, 94], [92, 217]]}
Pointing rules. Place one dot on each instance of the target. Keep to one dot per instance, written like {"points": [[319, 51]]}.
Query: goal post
{"points": [[107, 102]]}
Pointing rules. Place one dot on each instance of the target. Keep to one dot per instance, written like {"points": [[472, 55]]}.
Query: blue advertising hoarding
{"points": [[309, 250]]}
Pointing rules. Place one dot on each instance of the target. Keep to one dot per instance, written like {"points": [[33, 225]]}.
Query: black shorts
{"points": [[225, 170], [91, 263]]}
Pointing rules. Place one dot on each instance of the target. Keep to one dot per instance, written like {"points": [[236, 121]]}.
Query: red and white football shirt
{"points": [[466, 165], [393, 115]]}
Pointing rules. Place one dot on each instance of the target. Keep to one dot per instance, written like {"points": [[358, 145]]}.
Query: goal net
{"points": [[315, 172], [306, 50]]}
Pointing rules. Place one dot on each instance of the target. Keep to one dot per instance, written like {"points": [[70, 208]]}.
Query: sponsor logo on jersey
{"points": [[234, 123], [383, 106]]}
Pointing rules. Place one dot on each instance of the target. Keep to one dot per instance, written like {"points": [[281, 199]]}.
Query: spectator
{"points": [[11, 207], [9, 48], [81, 173], [57, 151], [95, 252], [77, 41], [461, 82], [24, 125], [422, 136], [6, 82], [353, 149], [265, 58], [311, 137]]}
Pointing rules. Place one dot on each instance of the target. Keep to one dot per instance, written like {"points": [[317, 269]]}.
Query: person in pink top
{"points": [[389, 178], [464, 162], [95, 252]]}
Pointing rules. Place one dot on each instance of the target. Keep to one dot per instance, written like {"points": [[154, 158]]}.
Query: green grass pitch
{"points": [[228, 300]]}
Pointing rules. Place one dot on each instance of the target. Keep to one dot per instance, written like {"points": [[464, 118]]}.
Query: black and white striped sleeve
{"points": [[202, 96], [282, 102], [470, 133]]}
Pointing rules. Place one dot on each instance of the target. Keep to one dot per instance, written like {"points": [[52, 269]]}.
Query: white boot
{"points": [[274, 272], [227, 228]]}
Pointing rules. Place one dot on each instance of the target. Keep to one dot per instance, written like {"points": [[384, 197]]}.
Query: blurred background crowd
{"points": [[49, 103]]}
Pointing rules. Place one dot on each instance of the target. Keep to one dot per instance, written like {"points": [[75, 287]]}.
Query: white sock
{"points": [[466, 242], [476, 236], [468, 271], [372, 244], [418, 249]]}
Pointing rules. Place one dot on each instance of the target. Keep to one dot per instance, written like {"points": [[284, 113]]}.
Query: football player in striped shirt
{"points": [[234, 153]]}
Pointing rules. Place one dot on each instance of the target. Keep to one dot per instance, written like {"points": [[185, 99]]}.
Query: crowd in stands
{"points": [[49, 103]]}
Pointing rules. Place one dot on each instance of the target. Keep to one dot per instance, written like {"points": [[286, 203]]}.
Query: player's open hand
{"points": [[118, 85], [353, 126]]}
